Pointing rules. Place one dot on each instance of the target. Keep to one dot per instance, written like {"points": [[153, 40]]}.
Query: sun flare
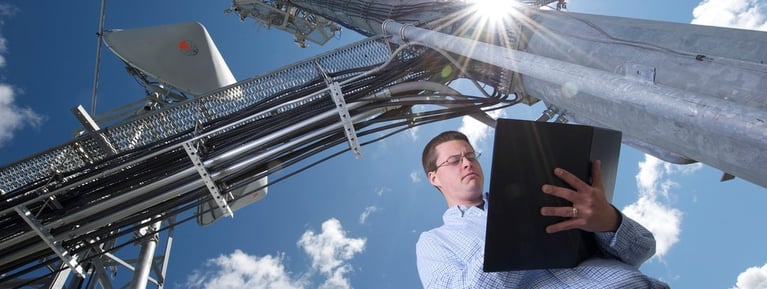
{"points": [[493, 9]]}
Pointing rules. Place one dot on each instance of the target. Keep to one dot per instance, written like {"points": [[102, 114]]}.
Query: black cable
{"points": [[160, 166]]}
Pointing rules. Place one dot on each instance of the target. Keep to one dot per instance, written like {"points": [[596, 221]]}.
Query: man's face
{"points": [[462, 183]]}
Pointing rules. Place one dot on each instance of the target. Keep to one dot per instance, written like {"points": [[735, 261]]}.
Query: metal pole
{"points": [[667, 117], [166, 257], [98, 56], [59, 280], [146, 256]]}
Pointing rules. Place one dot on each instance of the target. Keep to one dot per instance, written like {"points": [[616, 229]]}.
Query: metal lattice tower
{"points": [[70, 209]]}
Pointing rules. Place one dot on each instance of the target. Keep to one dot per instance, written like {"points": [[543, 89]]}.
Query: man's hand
{"points": [[590, 211]]}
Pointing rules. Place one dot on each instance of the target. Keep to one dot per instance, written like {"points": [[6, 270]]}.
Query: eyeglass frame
{"points": [[455, 162]]}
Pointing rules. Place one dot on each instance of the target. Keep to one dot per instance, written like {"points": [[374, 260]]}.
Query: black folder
{"points": [[525, 154]]}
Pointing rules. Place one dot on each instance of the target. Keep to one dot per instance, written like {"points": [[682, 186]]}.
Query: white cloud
{"points": [[415, 176], [380, 191], [337, 279], [752, 278], [651, 209], [746, 14], [3, 49], [6, 10], [330, 250], [13, 117], [664, 222], [475, 130], [365, 214], [240, 270], [413, 133]]}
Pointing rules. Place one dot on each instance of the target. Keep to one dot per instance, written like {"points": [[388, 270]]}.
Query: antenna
{"points": [[100, 35]]}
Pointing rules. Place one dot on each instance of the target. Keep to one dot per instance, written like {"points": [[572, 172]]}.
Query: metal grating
{"points": [[172, 122]]}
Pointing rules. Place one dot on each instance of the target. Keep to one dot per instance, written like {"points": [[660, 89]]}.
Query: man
{"points": [[451, 255]]}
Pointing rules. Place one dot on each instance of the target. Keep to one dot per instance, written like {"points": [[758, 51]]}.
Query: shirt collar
{"points": [[461, 210]]}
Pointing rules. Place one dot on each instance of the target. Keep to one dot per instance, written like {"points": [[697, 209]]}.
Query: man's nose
{"points": [[465, 161]]}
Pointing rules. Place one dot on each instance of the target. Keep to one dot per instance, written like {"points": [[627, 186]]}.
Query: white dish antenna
{"points": [[182, 56], [208, 213]]}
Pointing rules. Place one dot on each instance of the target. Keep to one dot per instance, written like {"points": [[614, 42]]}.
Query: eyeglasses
{"points": [[454, 160]]}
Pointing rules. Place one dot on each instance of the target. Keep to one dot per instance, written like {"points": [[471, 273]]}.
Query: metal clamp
{"points": [[89, 124], [192, 152], [338, 98], [49, 239], [640, 72]]}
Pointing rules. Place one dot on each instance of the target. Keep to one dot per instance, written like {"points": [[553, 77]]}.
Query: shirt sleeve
{"points": [[632, 243], [439, 267]]}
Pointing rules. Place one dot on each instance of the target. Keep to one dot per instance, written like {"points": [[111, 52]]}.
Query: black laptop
{"points": [[525, 154]]}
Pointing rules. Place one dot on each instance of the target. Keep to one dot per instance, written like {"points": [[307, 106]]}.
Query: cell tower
{"points": [[200, 147]]}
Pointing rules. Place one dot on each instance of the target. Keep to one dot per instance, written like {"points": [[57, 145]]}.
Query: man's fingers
{"points": [[565, 212], [571, 179], [596, 174], [562, 226], [561, 192]]}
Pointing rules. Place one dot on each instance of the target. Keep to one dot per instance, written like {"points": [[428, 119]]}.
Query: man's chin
{"points": [[471, 177], [473, 181], [474, 186]]}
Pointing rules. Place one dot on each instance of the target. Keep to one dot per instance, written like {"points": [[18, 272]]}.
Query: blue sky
{"points": [[354, 222]]}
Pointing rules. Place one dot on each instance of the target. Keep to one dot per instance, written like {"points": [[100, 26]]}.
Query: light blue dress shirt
{"points": [[451, 256]]}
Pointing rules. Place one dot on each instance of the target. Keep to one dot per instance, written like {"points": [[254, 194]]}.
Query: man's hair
{"points": [[429, 155]]}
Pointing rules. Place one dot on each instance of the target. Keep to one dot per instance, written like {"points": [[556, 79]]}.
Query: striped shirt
{"points": [[451, 256]]}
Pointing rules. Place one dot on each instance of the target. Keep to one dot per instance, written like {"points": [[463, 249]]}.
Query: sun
{"points": [[493, 9]]}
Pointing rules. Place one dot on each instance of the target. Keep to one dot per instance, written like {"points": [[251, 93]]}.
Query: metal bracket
{"points": [[191, 151], [343, 112], [67, 258], [92, 127], [640, 72], [562, 118], [114, 259], [547, 114]]}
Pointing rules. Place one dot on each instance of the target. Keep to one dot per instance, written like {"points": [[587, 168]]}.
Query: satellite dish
{"points": [[180, 55], [208, 212]]}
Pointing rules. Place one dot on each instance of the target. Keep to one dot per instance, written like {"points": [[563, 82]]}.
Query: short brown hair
{"points": [[429, 155]]}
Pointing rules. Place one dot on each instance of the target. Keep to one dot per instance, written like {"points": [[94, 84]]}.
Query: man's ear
{"points": [[433, 179]]}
